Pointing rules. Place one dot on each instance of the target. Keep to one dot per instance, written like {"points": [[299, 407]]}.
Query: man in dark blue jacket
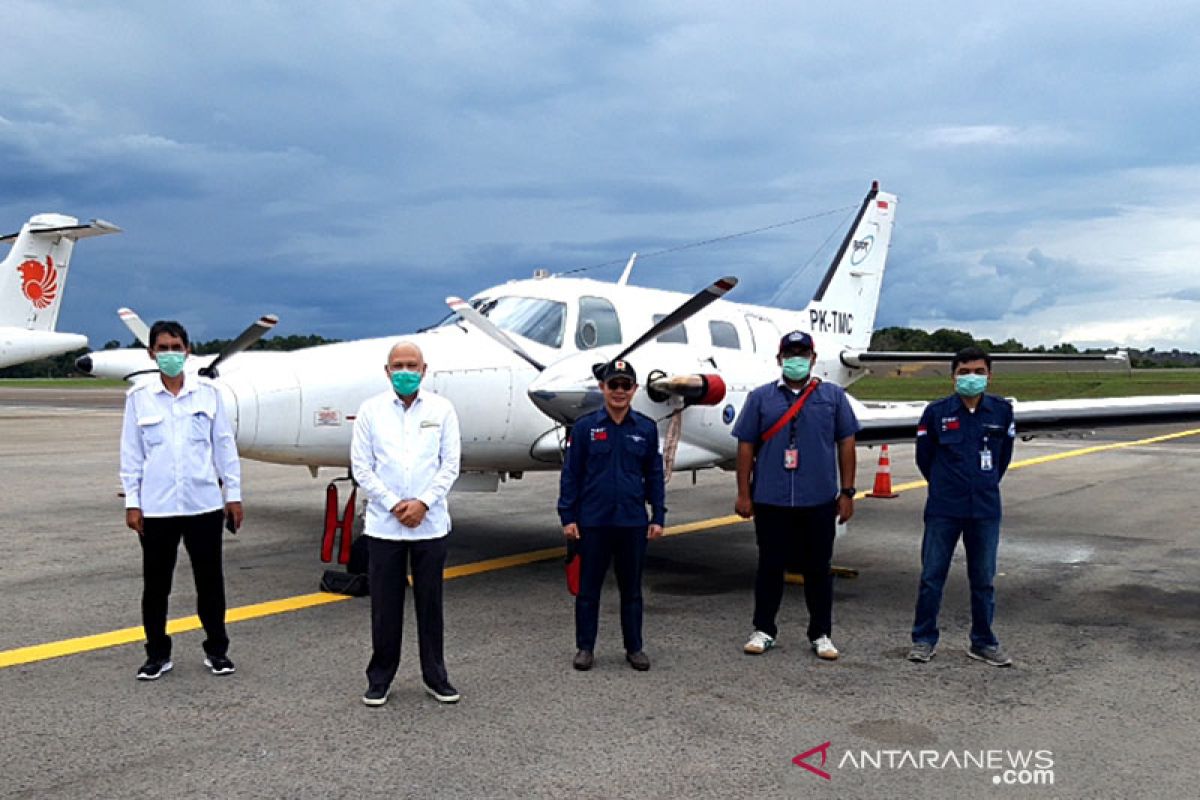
{"points": [[964, 446], [613, 469]]}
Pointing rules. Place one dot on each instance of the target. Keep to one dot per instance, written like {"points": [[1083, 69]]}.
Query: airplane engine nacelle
{"points": [[266, 406]]}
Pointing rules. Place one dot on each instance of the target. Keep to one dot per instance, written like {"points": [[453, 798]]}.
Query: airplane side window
{"points": [[676, 335], [724, 335], [542, 321], [598, 324]]}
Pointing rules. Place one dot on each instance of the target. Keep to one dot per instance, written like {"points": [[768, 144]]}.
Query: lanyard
{"points": [[791, 413]]}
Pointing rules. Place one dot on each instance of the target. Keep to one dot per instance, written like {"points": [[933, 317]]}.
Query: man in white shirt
{"points": [[182, 477], [405, 456]]}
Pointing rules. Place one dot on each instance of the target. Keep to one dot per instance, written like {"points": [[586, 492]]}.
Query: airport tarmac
{"points": [[1097, 602]]}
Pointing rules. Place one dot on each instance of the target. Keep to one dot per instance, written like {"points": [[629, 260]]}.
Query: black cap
{"points": [[796, 340], [615, 369]]}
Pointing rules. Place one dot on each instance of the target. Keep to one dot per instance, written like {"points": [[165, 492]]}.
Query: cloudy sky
{"points": [[348, 165]]}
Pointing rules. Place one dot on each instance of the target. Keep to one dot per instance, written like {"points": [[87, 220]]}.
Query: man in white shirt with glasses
{"points": [[405, 456]]}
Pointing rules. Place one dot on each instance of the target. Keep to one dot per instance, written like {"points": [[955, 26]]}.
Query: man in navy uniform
{"points": [[964, 446], [613, 469], [795, 436]]}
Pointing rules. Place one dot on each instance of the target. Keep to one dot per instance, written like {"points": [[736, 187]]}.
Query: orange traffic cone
{"points": [[883, 476]]}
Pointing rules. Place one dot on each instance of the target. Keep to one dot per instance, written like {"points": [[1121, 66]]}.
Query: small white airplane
{"points": [[517, 359], [33, 278]]}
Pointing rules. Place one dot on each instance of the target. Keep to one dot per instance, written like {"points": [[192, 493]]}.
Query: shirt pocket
{"points": [[152, 431], [200, 426], [950, 443], [994, 434], [819, 414], [599, 451]]}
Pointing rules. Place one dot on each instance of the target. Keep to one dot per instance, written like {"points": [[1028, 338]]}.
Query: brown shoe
{"points": [[638, 661], [583, 660]]}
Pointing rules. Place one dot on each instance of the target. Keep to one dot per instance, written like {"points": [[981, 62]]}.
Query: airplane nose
{"points": [[84, 364]]}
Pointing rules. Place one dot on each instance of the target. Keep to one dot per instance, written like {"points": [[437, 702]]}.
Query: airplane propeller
{"points": [[244, 340], [138, 328], [697, 302], [465, 311]]}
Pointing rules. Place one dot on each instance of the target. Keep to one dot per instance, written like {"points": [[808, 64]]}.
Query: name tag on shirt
{"points": [[791, 458], [428, 423], [985, 460]]}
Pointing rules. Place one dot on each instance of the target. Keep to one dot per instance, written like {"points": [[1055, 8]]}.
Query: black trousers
{"points": [[802, 536], [625, 548], [388, 569], [201, 534]]}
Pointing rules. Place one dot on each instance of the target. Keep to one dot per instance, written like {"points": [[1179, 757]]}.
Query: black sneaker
{"points": [[990, 655], [639, 661], [220, 665], [922, 652], [154, 669], [443, 692], [583, 660], [376, 695]]}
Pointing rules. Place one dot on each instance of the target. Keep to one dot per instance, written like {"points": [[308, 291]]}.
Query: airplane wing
{"points": [[897, 422], [1097, 362]]}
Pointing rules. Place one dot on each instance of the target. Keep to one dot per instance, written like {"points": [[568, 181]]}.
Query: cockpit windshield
{"points": [[542, 321]]}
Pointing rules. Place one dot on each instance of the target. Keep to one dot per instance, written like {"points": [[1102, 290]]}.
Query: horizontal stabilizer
{"points": [[96, 227], [1013, 361]]}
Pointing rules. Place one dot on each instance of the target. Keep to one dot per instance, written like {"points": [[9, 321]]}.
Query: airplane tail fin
{"points": [[845, 303], [34, 274]]}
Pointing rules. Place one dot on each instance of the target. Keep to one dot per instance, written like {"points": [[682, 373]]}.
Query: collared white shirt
{"points": [[401, 453], [175, 448]]}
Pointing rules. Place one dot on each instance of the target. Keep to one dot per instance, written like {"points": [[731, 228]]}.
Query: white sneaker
{"points": [[824, 649], [759, 643]]}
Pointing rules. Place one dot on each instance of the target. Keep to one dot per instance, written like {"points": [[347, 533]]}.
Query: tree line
{"points": [[943, 340], [949, 340]]}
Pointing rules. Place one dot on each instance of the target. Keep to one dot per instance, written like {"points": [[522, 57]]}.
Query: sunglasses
{"points": [[620, 385]]}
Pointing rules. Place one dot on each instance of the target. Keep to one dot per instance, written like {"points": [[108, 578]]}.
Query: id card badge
{"points": [[985, 460], [791, 458]]}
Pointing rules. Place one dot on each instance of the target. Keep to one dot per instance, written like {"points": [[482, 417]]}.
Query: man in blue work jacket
{"points": [[795, 436], [613, 469], [964, 446]]}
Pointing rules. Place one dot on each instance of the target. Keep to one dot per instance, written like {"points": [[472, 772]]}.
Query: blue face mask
{"points": [[171, 364], [970, 385], [405, 382], [796, 368]]}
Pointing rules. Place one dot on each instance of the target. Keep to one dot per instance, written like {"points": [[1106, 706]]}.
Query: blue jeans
{"points": [[981, 538]]}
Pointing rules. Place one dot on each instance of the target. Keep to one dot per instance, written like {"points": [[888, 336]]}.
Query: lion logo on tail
{"points": [[39, 282]]}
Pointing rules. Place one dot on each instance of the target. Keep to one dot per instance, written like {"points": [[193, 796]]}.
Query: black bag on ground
{"points": [[338, 582]]}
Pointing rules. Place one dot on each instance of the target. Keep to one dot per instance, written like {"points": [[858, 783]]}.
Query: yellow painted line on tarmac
{"points": [[99, 641]]}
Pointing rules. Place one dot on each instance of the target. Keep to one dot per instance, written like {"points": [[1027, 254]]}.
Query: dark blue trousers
{"points": [[626, 549], [981, 540]]}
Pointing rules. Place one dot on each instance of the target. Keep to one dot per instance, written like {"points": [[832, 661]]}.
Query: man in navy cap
{"points": [[613, 469], [795, 436]]}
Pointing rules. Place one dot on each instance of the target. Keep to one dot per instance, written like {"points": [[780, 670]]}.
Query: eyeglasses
{"points": [[620, 385]]}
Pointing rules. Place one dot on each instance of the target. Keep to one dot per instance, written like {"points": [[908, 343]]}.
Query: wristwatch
{"points": [[849, 491]]}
